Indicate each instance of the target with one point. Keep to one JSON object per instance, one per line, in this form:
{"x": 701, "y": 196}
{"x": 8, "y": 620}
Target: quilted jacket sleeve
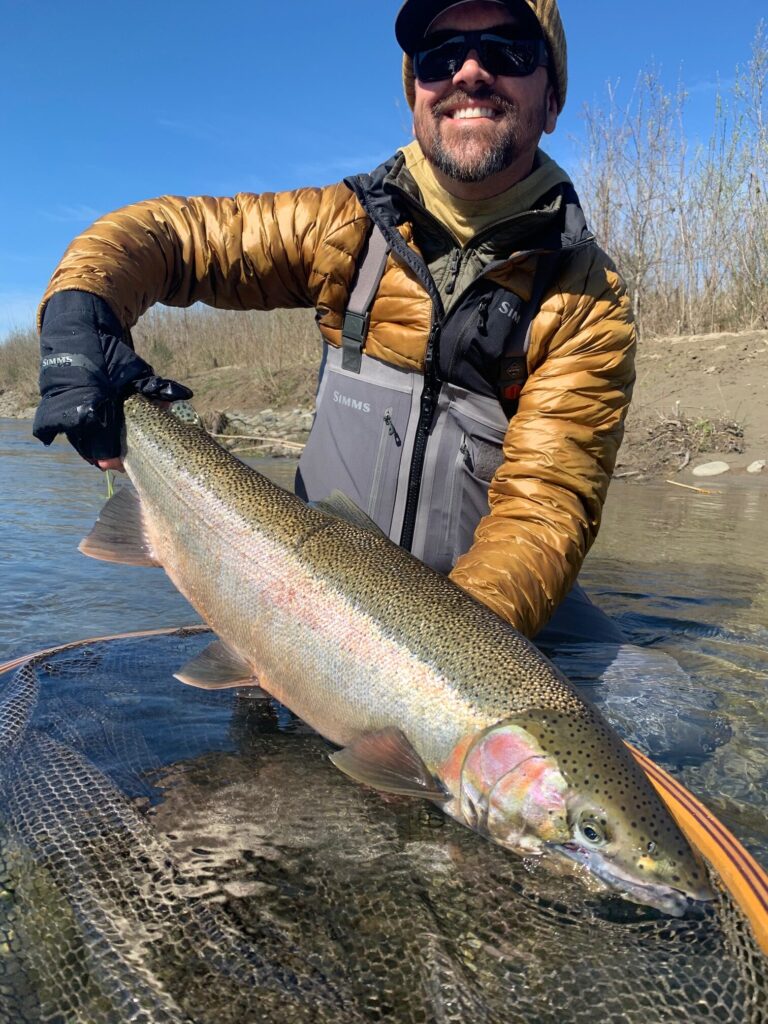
{"x": 560, "y": 449}
{"x": 245, "y": 252}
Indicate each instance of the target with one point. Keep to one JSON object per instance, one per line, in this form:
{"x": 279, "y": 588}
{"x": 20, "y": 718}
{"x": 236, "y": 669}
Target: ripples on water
{"x": 683, "y": 573}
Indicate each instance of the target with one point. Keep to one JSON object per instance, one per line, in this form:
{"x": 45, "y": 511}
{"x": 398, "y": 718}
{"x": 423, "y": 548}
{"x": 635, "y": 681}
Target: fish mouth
{"x": 666, "y": 898}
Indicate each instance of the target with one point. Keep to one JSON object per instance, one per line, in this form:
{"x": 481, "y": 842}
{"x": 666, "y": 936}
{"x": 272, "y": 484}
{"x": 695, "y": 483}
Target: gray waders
{"x": 366, "y": 427}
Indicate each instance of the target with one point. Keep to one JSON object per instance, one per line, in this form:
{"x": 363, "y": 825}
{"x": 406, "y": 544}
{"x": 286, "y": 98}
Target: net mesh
{"x": 168, "y": 854}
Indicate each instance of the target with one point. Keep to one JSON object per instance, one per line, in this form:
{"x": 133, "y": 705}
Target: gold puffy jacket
{"x": 300, "y": 249}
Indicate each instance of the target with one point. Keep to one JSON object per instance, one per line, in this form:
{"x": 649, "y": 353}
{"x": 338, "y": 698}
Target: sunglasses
{"x": 499, "y": 55}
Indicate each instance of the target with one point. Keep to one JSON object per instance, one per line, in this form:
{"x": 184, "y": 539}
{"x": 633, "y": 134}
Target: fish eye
{"x": 592, "y": 831}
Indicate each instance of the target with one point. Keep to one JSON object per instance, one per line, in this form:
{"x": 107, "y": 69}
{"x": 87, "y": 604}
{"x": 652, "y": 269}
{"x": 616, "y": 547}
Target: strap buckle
{"x": 353, "y": 334}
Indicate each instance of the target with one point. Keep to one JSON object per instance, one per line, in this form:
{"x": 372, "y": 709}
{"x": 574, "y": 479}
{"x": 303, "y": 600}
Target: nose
{"x": 472, "y": 74}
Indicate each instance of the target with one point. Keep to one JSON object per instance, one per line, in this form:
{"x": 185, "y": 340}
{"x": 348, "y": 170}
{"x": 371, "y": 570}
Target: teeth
{"x": 466, "y": 112}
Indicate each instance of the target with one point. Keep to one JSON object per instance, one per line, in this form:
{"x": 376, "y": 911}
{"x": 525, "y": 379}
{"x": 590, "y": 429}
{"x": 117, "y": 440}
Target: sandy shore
{"x": 698, "y": 399}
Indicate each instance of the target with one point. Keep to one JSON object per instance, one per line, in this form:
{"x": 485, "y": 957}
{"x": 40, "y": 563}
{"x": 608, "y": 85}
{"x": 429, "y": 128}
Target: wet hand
{"x": 116, "y": 465}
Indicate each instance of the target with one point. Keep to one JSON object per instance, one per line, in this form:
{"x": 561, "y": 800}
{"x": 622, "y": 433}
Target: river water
{"x": 683, "y": 573}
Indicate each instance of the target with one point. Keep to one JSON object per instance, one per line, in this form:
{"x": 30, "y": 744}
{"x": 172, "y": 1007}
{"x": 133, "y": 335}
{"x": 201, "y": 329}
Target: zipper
{"x": 482, "y": 313}
{"x": 426, "y": 414}
{"x": 453, "y": 271}
{"x": 384, "y": 435}
{"x": 460, "y": 460}
{"x": 391, "y": 428}
{"x": 475, "y": 317}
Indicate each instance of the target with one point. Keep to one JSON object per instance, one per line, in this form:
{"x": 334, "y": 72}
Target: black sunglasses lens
{"x": 517, "y": 58}
{"x": 440, "y": 62}
{"x": 514, "y": 57}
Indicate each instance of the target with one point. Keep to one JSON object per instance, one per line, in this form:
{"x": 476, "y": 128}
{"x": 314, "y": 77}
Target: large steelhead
{"x": 426, "y": 690}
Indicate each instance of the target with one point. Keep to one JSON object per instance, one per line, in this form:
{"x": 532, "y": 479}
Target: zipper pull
{"x": 391, "y": 425}
{"x": 453, "y": 270}
{"x": 482, "y": 313}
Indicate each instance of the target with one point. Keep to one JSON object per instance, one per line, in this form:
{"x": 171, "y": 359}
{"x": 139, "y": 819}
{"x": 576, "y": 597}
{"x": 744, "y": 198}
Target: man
{"x": 478, "y": 343}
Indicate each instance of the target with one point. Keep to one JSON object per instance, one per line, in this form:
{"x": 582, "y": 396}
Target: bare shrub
{"x": 687, "y": 225}
{"x": 19, "y": 362}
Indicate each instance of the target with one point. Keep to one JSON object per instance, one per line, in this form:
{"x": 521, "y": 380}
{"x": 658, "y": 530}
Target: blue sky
{"x": 106, "y": 103}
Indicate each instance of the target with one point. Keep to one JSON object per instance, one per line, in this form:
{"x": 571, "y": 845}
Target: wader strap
{"x": 358, "y": 314}
{"x": 513, "y": 365}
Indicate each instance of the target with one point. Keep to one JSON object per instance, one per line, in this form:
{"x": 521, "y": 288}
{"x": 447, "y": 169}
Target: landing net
{"x": 175, "y": 855}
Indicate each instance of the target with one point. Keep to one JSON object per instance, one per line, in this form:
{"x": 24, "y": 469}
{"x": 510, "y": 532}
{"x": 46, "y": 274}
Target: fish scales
{"x": 299, "y": 628}
{"x": 357, "y": 636}
{"x": 400, "y": 597}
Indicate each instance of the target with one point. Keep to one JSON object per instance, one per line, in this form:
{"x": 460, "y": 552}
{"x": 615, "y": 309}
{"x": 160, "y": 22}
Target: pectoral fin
{"x": 338, "y": 505}
{"x": 216, "y": 668}
{"x": 386, "y": 760}
{"x": 120, "y": 534}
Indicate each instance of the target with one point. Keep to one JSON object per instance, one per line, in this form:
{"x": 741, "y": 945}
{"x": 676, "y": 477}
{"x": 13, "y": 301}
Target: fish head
{"x": 547, "y": 783}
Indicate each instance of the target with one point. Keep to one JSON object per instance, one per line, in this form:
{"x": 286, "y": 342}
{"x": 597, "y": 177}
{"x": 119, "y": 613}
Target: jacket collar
{"x": 390, "y": 197}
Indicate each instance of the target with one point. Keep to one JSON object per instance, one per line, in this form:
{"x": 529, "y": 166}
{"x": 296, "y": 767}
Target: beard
{"x": 485, "y": 151}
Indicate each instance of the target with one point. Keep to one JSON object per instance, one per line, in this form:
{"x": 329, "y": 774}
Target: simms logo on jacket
{"x": 50, "y": 361}
{"x": 353, "y": 403}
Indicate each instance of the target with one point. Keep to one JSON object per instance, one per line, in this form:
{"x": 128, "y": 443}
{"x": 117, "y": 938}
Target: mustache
{"x": 484, "y": 93}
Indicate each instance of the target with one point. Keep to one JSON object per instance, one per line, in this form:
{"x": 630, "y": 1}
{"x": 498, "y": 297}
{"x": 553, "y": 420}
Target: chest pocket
{"x": 484, "y": 342}
{"x": 465, "y": 452}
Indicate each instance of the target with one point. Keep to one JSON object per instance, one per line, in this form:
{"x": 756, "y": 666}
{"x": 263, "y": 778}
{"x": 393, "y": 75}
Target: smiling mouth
{"x": 472, "y": 113}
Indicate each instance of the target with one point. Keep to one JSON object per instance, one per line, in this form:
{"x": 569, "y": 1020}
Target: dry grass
{"x": 231, "y": 359}
{"x": 181, "y": 343}
{"x": 19, "y": 361}
{"x": 234, "y": 360}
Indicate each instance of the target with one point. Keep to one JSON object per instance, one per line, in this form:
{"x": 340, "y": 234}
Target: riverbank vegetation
{"x": 686, "y": 221}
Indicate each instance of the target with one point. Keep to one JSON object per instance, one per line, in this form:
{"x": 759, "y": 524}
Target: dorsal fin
{"x": 338, "y": 505}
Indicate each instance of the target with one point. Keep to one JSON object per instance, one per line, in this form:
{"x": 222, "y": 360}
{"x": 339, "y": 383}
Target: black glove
{"x": 86, "y": 371}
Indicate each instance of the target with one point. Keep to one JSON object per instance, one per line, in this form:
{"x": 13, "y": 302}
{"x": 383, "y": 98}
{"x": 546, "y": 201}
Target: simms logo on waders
{"x": 353, "y": 403}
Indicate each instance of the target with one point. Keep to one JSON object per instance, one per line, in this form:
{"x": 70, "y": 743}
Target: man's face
{"x": 507, "y": 115}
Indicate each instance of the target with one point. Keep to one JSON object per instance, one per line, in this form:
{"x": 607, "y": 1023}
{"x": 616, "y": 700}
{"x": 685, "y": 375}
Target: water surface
{"x": 683, "y": 573}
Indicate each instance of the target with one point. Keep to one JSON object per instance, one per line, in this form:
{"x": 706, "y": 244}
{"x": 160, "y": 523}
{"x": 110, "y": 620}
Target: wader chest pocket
{"x": 356, "y": 443}
{"x": 468, "y": 433}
